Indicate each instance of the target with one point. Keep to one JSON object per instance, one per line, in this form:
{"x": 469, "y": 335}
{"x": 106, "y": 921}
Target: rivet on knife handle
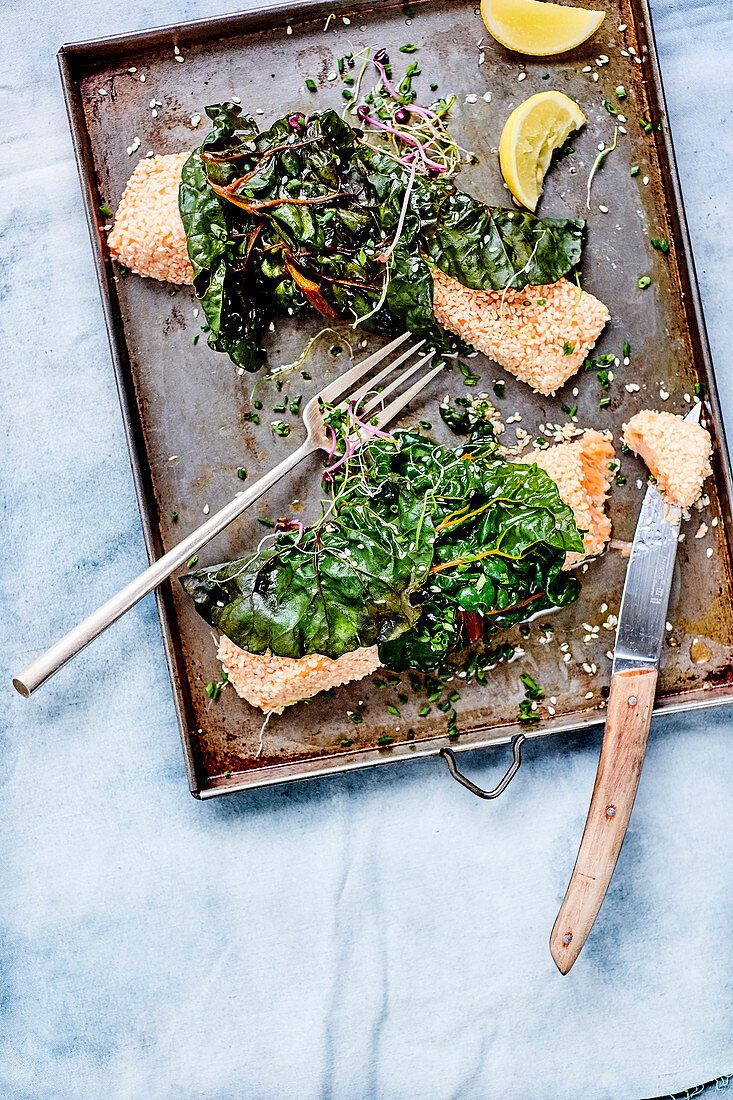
{"x": 630, "y": 705}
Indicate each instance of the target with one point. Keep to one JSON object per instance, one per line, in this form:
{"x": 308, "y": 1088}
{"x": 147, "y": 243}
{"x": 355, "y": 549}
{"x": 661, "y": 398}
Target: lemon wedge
{"x": 538, "y": 29}
{"x": 530, "y": 136}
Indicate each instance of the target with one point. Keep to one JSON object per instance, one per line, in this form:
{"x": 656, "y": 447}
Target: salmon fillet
{"x": 541, "y": 334}
{"x": 581, "y": 471}
{"x": 677, "y": 453}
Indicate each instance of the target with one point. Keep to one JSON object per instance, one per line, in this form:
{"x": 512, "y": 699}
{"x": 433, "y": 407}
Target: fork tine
{"x": 378, "y": 399}
{"x": 372, "y": 382}
{"x": 341, "y": 384}
{"x": 394, "y": 407}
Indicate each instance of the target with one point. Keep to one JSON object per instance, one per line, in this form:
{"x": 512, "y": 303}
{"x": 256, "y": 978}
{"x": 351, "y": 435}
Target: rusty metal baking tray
{"x": 180, "y": 399}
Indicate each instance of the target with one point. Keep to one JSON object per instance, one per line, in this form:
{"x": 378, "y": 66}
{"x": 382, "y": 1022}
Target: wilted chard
{"x": 308, "y": 216}
{"x": 423, "y": 550}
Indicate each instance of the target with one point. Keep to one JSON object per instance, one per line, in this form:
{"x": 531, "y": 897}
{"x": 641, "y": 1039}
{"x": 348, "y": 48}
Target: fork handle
{"x": 90, "y": 628}
{"x": 630, "y": 705}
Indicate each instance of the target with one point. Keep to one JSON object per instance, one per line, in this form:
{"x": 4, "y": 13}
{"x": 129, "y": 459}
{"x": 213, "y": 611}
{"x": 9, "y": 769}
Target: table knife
{"x": 639, "y": 636}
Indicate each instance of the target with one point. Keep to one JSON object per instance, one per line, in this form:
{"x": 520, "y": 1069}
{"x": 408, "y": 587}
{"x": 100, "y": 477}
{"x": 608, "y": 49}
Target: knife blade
{"x": 639, "y": 636}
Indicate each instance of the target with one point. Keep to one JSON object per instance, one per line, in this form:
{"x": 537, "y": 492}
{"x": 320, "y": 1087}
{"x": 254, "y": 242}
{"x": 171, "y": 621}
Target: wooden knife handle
{"x": 630, "y": 705}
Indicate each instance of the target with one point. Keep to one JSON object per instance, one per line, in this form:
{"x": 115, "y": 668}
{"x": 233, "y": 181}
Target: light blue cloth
{"x": 381, "y": 934}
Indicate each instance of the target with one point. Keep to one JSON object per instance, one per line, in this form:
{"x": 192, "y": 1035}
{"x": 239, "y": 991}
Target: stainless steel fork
{"x": 336, "y": 395}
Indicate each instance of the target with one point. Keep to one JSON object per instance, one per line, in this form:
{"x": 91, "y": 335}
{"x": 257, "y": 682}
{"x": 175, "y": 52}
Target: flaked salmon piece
{"x": 273, "y": 683}
{"x": 541, "y": 334}
{"x": 581, "y": 471}
{"x": 147, "y": 235}
{"x": 676, "y": 451}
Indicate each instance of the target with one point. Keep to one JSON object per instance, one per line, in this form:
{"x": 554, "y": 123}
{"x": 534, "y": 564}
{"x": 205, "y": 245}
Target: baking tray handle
{"x": 502, "y": 785}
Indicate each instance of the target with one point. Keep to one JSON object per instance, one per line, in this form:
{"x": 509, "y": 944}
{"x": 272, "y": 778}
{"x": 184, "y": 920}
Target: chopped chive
{"x": 621, "y": 92}
{"x": 392, "y": 709}
{"x": 499, "y": 387}
{"x": 424, "y": 712}
{"x": 606, "y": 360}
{"x": 625, "y": 449}
{"x": 253, "y": 418}
{"x": 542, "y": 301}
{"x": 409, "y": 47}
{"x": 241, "y": 473}
{"x": 347, "y": 94}
{"x": 355, "y": 718}
{"x": 227, "y": 774}
{"x": 533, "y": 690}
{"x": 545, "y": 76}
{"x": 660, "y": 245}
{"x": 570, "y": 410}
{"x": 174, "y": 516}
{"x": 635, "y": 170}
{"x": 604, "y": 402}
{"x": 280, "y": 428}
{"x": 196, "y": 339}
{"x": 698, "y": 389}
{"x": 433, "y": 87}
{"x": 603, "y": 378}
{"x": 386, "y": 740}
{"x": 346, "y": 742}
{"x": 540, "y": 441}
{"x": 644, "y": 282}
{"x": 311, "y": 85}
{"x": 212, "y": 690}
{"x": 192, "y": 561}
{"x": 265, "y": 522}
{"x": 341, "y": 64}
{"x": 104, "y": 209}
{"x": 620, "y": 479}
{"x": 627, "y": 349}
{"x": 568, "y": 348}
{"x": 612, "y": 110}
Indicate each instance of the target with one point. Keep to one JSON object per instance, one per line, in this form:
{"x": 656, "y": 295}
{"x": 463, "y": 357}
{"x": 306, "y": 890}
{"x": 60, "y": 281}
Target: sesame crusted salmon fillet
{"x": 147, "y": 235}
{"x": 273, "y": 683}
{"x": 581, "y": 471}
{"x": 676, "y": 451}
{"x": 540, "y": 334}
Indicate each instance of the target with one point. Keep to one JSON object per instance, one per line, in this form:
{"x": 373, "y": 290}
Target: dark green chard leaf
{"x": 427, "y": 549}
{"x": 346, "y": 583}
{"x": 306, "y": 216}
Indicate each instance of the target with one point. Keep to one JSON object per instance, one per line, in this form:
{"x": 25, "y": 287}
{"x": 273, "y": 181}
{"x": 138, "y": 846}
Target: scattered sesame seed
{"x": 486, "y": 97}
{"x": 331, "y": 76}
{"x": 176, "y": 50}
{"x": 714, "y": 521}
{"x": 603, "y": 209}
{"x": 586, "y": 69}
{"x": 645, "y": 181}
{"x": 102, "y": 91}
{"x": 522, "y": 76}
{"x": 589, "y": 695}
{"x": 622, "y": 27}
{"x": 594, "y": 76}
{"x": 206, "y": 509}
{"x": 194, "y": 120}
{"x": 701, "y": 531}
{"x": 567, "y": 658}
{"x": 709, "y": 552}
{"x": 471, "y": 98}
{"x": 132, "y": 69}
{"x": 142, "y": 78}
{"x": 288, "y": 30}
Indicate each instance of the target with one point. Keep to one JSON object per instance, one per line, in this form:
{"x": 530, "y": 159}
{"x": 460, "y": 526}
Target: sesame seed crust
{"x": 273, "y": 683}
{"x": 147, "y": 235}
{"x": 677, "y": 453}
{"x": 529, "y": 340}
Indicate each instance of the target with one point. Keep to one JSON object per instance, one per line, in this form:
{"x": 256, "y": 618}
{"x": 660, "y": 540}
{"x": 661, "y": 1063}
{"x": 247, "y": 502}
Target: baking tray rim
{"x": 73, "y": 56}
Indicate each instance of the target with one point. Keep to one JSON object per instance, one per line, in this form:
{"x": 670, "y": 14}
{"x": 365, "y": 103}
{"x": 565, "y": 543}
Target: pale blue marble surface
{"x": 383, "y": 934}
